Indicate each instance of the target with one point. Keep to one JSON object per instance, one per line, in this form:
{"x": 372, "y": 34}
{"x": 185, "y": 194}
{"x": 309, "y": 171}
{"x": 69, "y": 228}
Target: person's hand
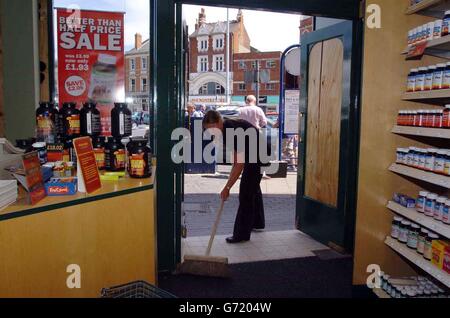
{"x": 225, "y": 194}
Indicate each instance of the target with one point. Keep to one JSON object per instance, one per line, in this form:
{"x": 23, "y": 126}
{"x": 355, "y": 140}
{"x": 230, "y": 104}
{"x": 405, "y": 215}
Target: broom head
{"x": 212, "y": 266}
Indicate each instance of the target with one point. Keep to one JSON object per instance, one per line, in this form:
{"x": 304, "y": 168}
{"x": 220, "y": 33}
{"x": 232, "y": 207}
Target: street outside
{"x": 201, "y": 202}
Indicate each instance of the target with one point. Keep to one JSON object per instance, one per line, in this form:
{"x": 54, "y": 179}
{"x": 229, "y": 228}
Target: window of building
{"x": 144, "y": 105}
{"x": 202, "y": 64}
{"x": 242, "y": 87}
{"x": 270, "y": 86}
{"x": 218, "y": 63}
{"x": 254, "y": 64}
{"x": 270, "y": 64}
{"x": 132, "y": 64}
{"x": 203, "y": 90}
{"x": 219, "y": 43}
{"x": 254, "y": 86}
{"x": 202, "y": 44}
{"x": 144, "y": 85}
{"x": 144, "y": 63}
{"x": 219, "y": 89}
{"x": 242, "y": 65}
{"x": 132, "y": 85}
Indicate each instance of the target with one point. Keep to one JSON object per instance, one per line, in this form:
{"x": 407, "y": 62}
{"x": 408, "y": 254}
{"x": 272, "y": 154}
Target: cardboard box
{"x": 438, "y": 250}
{"x": 446, "y": 265}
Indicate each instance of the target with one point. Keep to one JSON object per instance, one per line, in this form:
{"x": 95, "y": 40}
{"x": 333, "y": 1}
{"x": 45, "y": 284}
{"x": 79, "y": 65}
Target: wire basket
{"x": 138, "y": 289}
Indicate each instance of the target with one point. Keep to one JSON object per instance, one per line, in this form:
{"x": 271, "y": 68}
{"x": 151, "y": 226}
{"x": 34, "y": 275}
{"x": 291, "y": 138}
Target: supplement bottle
{"x": 139, "y": 159}
{"x": 439, "y": 208}
{"x": 437, "y": 33}
{"x": 404, "y": 230}
{"x": 445, "y": 213}
{"x": 446, "y": 24}
{"x": 429, "y": 78}
{"x": 420, "y": 203}
{"x": 90, "y": 120}
{"x": 446, "y": 78}
{"x": 430, "y": 203}
{"x": 446, "y": 117}
{"x": 420, "y": 79}
{"x": 421, "y": 240}
{"x": 98, "y": 144}
{"x": 121, "y": 123}
{"x": 412, "y": 80}
{"x": 428, "y": 250}
{"x": 46, "y": 122}
{"x": 70, "y": 120}
{"x": 413, "y": 236}
{"x": 438, "y": 76}
{"x": 115, "y": 155}
{"x": 439, "y": 164}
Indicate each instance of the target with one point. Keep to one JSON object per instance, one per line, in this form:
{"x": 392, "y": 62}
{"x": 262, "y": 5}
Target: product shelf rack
{"x": 419, "y": 261}
{"x": 421, "y": 131}
{"x": 420, "y": 218}
{"x": 430, "y": 177}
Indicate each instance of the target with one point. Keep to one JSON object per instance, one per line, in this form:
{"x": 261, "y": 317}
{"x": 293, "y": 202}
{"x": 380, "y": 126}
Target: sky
{"x": 268, "y": 31}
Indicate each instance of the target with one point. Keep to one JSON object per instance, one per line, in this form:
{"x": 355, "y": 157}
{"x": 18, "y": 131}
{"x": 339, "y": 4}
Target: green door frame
{"x": 165, "y": 52}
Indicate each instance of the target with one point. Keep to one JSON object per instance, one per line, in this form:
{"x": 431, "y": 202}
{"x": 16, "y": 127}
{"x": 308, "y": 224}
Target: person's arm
{"x": 236, "y": 170}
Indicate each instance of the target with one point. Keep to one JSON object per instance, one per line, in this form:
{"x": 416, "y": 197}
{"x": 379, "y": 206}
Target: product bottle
{"x": 121, "y": 124}
{"x": 420, "y": 79}
{"x": 438, "y": 76}
{"x": 115, "y": 155}
{"x": 90, "y": 120}
{"x": 446, "y": 78}
{"x": 412, "y": 80}
{"x": 46, "y": 122}
{"x": 446, "y": 23}
{"x": 98, "y": 144}
{"x": 446, "y": 117}
{"x": 70, "y": 120}
{"x": 429, "y": 78}
{"x": 139, "y": 159}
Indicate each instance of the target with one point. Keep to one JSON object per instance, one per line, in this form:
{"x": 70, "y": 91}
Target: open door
{"x": 325, "y": 130}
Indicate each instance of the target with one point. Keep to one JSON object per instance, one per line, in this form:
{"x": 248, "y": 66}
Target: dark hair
{"x": 212, "y": 117}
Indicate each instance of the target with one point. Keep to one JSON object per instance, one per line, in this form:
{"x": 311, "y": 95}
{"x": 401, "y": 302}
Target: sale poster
{"x": 91, "y": 59}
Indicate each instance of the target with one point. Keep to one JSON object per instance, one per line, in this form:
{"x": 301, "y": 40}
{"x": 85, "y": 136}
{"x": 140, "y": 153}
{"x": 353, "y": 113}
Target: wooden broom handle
{"x": 214, "y": 229}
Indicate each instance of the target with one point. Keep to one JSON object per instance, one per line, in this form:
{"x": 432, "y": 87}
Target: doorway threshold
{"x": 263, "y": 246}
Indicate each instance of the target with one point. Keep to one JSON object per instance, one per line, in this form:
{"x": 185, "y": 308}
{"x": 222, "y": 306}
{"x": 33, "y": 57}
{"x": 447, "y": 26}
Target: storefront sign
{"x": 88, "y": 175}
{"x": 91, "y": 59}
{"x": 291, "y": 113}
{"x": 207, "y": 99}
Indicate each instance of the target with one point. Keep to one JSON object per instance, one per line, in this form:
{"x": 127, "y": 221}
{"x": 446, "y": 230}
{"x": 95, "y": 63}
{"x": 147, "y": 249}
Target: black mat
{"x": 295, "y": 278}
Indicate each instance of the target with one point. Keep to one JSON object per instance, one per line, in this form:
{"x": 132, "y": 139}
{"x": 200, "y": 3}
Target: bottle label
{"x": 420, "y": 83}
{"x": 138, "y": 165}
{"x": 446, "y": 80}
{"x": 446, "y": 26}
{"x": 44, "y": 126}
{"x": 89, "y": 123}
{"x": 437, "y": 79}
{"x": 429, "y": 207}
{"x": 100, "y": 157}
{"x": 73, "y": 125}
{"x": 122, "y": 124}
{"x": 428, "y": 82}
{"x": 439, "y": 165}
{"x": 119, "y": 159}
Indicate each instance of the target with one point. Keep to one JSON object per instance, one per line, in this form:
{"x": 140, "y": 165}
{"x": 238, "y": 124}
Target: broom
{"x": 207, "y": 265}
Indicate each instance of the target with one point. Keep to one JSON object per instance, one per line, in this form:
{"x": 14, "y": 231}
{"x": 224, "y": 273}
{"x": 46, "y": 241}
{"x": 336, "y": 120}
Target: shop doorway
{"x": 170, "y": 176}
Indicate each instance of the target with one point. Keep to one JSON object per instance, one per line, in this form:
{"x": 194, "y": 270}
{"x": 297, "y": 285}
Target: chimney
{"x": 137, "y": 40}
{"x": 240, "y": 16}
{"x": 202, "y": 17}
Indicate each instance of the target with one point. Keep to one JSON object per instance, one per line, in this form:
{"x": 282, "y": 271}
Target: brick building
{"x": 207, "y": 57}
{"x": 137, "y": 75}
{"x": 269, "y": 66}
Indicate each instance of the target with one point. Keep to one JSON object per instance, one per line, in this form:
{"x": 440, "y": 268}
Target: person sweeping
{"x": 245, "y": 158}
{"x": 246, "y": 162}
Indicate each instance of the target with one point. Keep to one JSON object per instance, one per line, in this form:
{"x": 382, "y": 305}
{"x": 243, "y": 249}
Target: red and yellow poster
{"x": 91, "y": 59}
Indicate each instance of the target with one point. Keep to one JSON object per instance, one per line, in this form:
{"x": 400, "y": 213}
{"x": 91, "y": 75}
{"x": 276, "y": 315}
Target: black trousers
{"x": 250, "y": 214}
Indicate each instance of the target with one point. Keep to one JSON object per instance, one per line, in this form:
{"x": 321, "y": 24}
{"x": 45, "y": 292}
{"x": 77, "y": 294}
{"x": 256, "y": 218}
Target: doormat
{"x": 190, "y": 207}
{"x": 329, "y": 254}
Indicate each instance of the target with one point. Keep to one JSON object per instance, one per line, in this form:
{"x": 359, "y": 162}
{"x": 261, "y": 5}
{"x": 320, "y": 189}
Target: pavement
{"x": 201, "y": 202}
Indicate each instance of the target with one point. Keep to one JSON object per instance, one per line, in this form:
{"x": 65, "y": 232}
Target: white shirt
{"x": 254, "y": 115}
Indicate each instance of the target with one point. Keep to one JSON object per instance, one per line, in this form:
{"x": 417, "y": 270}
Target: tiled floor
{"x": 263, "y": 246}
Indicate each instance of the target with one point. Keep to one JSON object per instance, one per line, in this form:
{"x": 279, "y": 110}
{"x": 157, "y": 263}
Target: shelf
{"x": 380, "y": 293}
{"x": 430, "y": 8}
{"x": 419, "y": 261}
{"x": 421, "y": 131}
{"x": 437, "y": 47}
{"x": 437, "y": 97}
{"x": 429, "y": 177}
{"x": 421, "y": 219}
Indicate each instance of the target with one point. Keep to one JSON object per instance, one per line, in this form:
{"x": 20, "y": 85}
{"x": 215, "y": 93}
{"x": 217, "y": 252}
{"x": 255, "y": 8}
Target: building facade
{"x": 208, "y": 57}
{"x": 269, "y": 69}
{"x": 137, "y": 75}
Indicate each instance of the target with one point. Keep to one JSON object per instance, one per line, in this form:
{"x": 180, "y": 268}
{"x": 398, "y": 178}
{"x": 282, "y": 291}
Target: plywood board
{"x": 324, "y": 122}
{"x": 313, "y": 118}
